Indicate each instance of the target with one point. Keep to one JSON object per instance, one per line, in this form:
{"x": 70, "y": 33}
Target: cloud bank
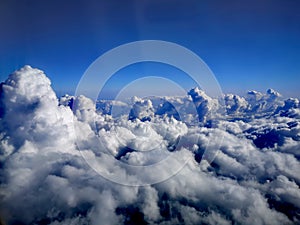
{"x": 253, "y": 177}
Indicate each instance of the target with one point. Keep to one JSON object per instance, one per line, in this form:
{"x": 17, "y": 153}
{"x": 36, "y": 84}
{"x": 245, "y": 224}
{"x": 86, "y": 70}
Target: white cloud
{"x": 253, "y": 179}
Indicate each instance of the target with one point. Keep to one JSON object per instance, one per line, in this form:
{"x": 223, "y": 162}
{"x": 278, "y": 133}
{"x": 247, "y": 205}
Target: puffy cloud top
{"x": 243, "y": 170}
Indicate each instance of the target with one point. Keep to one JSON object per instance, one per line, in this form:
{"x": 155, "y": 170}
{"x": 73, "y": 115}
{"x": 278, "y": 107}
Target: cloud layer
{"x": 240, "y": 157}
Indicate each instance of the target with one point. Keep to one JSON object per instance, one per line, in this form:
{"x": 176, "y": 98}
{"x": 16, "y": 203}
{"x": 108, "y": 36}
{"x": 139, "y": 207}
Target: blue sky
{"x": 247, "y": 44}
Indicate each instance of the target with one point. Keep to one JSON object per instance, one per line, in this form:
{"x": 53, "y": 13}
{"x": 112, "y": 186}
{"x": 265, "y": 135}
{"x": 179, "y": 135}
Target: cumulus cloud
{"x": 243, "y": 170}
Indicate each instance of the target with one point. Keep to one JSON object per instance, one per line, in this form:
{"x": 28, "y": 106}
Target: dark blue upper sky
{"x": 251, "y": 44}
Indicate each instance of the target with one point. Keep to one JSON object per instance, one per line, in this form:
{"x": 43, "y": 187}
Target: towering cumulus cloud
{"x": 253, "y": 178}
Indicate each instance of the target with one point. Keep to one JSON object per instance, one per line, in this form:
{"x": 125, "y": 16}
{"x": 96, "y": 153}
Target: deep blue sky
{"x": 251, "y": 44}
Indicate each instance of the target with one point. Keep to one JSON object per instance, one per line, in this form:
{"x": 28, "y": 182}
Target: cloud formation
{"x": 253, "y": 177}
